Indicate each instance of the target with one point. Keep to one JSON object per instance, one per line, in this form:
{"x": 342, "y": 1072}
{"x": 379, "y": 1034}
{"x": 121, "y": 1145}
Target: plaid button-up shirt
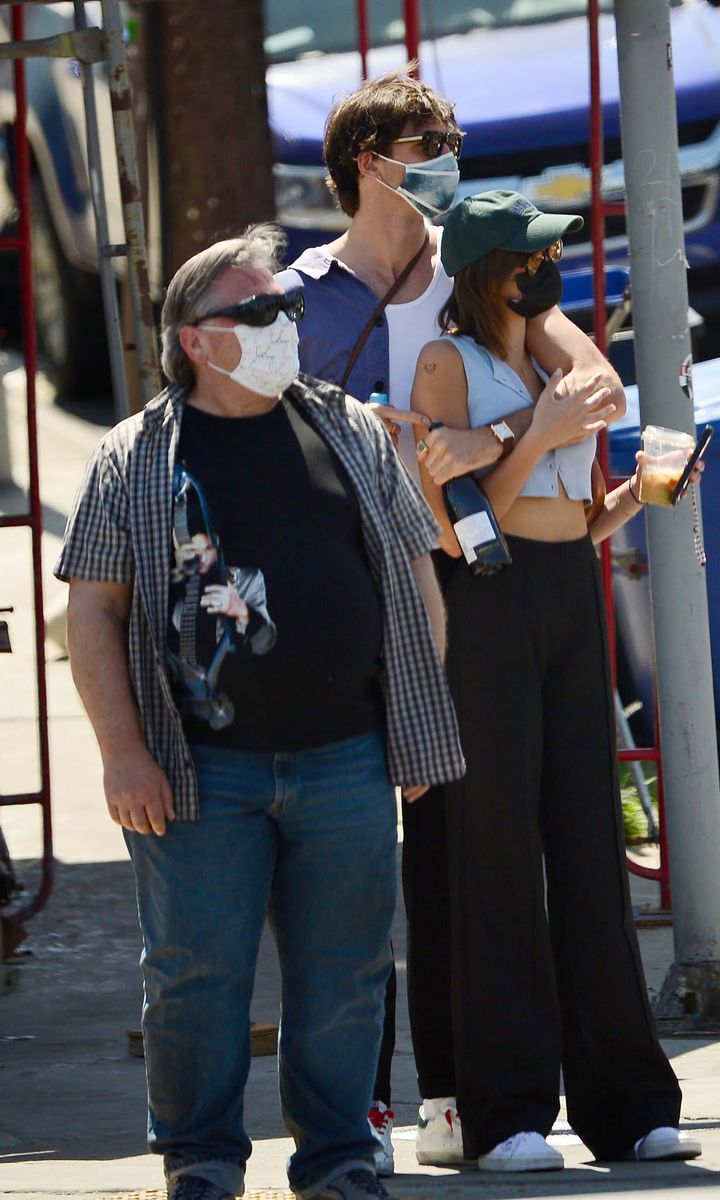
{"x": 120, "y": 531}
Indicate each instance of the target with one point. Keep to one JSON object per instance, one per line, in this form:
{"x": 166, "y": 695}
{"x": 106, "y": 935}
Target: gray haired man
{"x": 256, "y": 633}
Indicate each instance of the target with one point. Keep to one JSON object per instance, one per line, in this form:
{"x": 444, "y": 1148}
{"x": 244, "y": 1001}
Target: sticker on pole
{"x": 686, "y": 379}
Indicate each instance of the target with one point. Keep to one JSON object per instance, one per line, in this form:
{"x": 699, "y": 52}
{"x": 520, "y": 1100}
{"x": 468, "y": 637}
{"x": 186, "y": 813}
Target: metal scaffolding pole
{"x": 146, "y": 348}
{"x": 690, "y": 996}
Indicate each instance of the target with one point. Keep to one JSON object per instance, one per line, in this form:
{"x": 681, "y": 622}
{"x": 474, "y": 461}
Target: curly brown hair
{"x": 370, "y": 119}
{"x": 475, "y": 305}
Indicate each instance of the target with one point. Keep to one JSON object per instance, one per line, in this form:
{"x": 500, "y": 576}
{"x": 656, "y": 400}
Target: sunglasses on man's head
{"x": 536, "y": 260}
{"x": 262, "y": 310}
{"x": 433, "y": 141}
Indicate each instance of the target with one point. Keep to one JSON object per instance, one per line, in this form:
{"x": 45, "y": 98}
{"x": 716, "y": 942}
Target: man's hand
{"x": 564, "y": 416}
{"x": 577, "y": 381}
{"x": 414, "y": 793}
{"x": 137, "y": 792}
{"x": 452, "y": 452}
{"x": 393, "y": 418}
{"x": 554, "y": 341}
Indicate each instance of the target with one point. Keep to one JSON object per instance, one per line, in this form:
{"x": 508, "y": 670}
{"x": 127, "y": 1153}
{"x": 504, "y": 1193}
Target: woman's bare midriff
{"x": 546, "y": 518}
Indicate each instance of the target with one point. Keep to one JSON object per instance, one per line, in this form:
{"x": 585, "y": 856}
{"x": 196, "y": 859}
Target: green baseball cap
{"x": 499, "y": 220}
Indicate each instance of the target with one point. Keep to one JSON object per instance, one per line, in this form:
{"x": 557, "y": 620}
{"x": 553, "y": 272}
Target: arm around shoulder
{"x": 556, "y": 342}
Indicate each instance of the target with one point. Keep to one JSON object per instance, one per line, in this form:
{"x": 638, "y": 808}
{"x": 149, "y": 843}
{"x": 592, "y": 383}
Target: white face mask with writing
{"x": 270, "y": 358}
{"x": 428, "y": 187}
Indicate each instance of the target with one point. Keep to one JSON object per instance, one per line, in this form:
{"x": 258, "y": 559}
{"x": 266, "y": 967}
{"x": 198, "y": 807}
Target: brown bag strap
{"x": 379, "y": 309}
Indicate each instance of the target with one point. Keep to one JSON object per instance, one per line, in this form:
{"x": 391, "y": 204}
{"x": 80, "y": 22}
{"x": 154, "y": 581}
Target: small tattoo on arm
{"x": 430, "y": 367}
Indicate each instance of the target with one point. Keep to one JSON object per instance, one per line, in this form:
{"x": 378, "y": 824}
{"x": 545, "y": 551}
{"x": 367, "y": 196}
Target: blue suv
{"x": 518, "y": 71}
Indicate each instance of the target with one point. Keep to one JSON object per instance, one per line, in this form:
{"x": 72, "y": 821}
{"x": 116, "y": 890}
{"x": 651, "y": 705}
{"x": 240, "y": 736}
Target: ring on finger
{"x": 422, "y": 448}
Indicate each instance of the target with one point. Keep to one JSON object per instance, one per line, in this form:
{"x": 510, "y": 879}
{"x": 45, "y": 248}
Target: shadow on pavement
{"x": 71, "y": 1088}
{"x": 620, "y": 1177}
{"x": 14, "y": 501}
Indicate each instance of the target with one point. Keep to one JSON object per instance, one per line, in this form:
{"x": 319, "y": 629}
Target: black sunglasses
{"x": 433, "y": 141}
{"x": 262, "y": 310}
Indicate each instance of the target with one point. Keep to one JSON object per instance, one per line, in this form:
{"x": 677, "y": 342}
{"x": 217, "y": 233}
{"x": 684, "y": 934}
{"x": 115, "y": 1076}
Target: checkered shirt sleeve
{"x": 97, "y": 543}
{"x": 404, "y": 504}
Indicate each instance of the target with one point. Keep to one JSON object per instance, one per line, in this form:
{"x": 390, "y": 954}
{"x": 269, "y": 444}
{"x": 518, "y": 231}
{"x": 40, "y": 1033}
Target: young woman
{"x": 545, "y": 969}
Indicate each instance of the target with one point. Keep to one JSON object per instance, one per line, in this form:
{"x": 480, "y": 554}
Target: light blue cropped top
{"x": 494, "y": 391}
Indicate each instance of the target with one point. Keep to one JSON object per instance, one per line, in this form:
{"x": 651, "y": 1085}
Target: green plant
{"x": 634, "y": 820}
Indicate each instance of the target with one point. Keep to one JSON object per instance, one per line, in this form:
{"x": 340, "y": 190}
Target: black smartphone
{"x": 684, "y": 481}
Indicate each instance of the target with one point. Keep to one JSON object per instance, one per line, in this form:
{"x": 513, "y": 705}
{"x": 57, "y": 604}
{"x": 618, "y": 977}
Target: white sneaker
{"x": 667, "y": 1143}
{"x": 380, "y": 1120}
{"x": 522, "y": 1152}
{"x": 439, "y": 1137}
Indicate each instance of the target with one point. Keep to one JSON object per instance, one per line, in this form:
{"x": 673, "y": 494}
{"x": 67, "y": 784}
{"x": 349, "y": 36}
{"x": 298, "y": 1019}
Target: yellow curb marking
{"x": 263, "y": 1194}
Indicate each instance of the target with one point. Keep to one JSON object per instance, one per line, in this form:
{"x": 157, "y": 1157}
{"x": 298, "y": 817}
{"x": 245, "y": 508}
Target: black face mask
{"x": 540, "y": 291}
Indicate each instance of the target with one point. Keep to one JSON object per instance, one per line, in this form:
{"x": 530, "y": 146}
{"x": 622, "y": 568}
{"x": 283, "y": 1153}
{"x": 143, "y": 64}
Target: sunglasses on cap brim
{"x": 434, "y": 140}
{"x": 262, "y": 310}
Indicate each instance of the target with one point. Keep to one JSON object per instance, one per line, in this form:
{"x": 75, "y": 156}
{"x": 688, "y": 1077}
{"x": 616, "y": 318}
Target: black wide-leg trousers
{"x": 543, "y": 979}
{"x": 428, "y": 953}
{"x": 428, "y": 949}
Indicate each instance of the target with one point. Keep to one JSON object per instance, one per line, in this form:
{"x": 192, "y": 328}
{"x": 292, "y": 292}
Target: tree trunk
{"x": 207, "y": 70}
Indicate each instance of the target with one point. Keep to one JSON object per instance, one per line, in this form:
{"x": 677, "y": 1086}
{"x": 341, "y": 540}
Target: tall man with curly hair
{"x": 391, "y": 149}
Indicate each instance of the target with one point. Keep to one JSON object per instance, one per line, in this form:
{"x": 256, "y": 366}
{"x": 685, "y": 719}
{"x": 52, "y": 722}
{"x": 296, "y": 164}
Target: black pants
{"x": 428, "y": 954}
{"x": 535, "y": 988}
{"x": 429, "y": 950}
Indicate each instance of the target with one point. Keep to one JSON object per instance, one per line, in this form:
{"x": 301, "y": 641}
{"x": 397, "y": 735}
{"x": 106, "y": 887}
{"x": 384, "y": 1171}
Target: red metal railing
{"x": 33, "y": 518}
{"x": 599, "y": 211}
{"x": 411, "y": 13}
{"x": 411, "y": 16}
{"x": 363, "y": 27}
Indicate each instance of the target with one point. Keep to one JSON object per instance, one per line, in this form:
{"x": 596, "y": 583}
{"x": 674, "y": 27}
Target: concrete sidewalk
{"x": 73, "y": 1104}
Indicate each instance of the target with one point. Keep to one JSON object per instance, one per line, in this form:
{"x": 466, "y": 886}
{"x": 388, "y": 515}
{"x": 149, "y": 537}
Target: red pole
{"x": 597, "y": 216}
{"x": 411, "y": 14}
{"x": 363, "y": 36}
{"x": 30, "y": 355}
{"x": 599, "y": 210}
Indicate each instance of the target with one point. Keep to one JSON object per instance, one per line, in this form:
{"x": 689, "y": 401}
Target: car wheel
{"x": 69, "y": 313}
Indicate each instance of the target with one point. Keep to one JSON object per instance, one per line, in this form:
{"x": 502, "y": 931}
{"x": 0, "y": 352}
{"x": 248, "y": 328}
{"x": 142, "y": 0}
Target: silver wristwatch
{"x": 504, "y": 435}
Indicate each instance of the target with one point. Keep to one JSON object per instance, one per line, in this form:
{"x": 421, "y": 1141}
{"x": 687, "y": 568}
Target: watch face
{"x": 502, "y": 430}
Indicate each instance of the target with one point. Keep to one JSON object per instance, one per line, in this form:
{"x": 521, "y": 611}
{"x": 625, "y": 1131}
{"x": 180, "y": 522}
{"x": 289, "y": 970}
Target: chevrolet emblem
{"x": 571, "y": 185}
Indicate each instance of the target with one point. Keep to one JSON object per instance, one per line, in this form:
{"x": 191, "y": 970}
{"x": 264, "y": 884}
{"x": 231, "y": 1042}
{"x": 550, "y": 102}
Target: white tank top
{"x": 410, "y": 326}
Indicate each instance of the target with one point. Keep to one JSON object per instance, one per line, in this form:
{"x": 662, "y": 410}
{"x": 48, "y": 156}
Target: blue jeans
{"x": 311, "y": 837}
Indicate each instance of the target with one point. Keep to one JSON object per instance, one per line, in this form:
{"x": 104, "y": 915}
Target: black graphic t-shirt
{"x": 275, "y": 623}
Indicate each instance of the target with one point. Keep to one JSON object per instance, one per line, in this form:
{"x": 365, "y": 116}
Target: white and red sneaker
{"x": 380, "y": 1119}
{"x": 439, "y": 1133}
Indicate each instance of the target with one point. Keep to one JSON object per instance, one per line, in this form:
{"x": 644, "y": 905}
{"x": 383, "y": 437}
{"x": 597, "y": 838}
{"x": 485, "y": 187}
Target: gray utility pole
{"x": 690, "y": 997}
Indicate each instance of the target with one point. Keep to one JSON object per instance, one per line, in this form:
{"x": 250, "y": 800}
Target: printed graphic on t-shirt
{"x": 215, "y": 609}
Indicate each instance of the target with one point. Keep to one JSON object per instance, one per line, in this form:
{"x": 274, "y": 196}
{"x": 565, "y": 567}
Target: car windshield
{"x": 315, "y": 27}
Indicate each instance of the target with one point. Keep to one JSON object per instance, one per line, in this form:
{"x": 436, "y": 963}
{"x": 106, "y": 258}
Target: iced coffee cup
{"x": 668, "y": 451}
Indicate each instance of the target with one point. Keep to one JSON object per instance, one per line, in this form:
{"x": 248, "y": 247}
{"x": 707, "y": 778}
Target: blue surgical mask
{"x": 428, "y": 187}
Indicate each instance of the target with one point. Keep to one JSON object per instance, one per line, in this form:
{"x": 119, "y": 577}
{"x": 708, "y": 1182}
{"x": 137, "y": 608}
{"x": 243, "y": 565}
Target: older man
{"x": 251, "y": 622}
